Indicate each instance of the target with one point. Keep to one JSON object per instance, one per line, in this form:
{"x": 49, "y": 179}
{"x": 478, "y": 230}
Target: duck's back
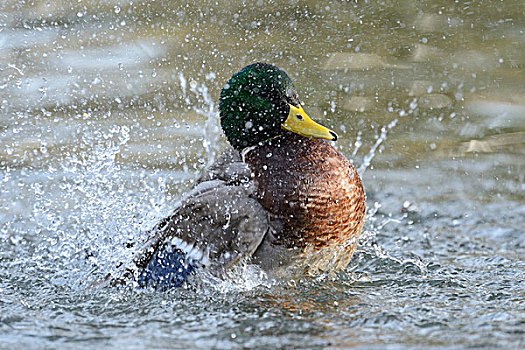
{"x": 314, "y": 196}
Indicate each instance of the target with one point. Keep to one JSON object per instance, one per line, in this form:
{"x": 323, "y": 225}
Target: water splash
{"x": 240, "y": 278}
{"x": 371, "y": 154}
{"x": 212, "y": 130}
{"x": 104, "y": 209}
{"x": 109, "y": 207}
{"x": 369, "y": 245}
{"x": 183, "y": 84}
{"x": 357, "y": 144}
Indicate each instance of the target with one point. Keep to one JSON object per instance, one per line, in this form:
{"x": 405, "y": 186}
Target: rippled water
{"x": 107, "y": 114}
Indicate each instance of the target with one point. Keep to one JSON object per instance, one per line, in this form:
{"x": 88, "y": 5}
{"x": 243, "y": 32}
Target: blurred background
{"x": 108, "y": 113}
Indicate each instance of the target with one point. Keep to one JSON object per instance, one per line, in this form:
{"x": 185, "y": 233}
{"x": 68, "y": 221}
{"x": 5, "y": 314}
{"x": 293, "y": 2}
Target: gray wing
{"x": 218, "y": 223}
{"x": 229, "y": 168}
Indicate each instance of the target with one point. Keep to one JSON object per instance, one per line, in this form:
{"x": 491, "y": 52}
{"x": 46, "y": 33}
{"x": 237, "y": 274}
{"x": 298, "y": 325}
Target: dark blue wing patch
{"x": 170, "y": 267}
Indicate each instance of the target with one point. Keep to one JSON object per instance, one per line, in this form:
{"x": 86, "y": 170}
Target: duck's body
{"x": 290, "y": 204}
{"x": 314, "y": 198}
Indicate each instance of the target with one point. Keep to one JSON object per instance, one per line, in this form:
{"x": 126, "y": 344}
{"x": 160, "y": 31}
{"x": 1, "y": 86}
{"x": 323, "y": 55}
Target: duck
{"x": 281, "y": 197}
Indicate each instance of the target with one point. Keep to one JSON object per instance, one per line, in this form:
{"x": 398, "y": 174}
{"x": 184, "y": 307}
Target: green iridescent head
{"x": 260, "y": 102}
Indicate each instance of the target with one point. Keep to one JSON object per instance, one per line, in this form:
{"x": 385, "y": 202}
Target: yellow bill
{"x": 300, "y": 123}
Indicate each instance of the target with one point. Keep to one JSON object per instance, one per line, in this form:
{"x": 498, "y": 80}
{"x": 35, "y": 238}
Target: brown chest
{"x": 310, "y": 189}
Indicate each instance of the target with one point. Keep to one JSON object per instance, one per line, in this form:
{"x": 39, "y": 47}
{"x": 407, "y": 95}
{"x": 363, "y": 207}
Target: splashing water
{"x": 109, "y": 205}
{"x": 105, "y": 210}
{"x": 240, "y": 278}
{"x": 357, "y": 144}
{"x": 367, "y": 242}
{"x": 211, "y": 128}
{"x": 371, "y": 154}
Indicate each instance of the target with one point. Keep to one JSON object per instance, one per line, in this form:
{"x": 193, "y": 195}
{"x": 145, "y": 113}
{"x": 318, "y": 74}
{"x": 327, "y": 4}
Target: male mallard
{"x": 281, "y": 198}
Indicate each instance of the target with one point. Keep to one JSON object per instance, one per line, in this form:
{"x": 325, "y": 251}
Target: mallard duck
{"x": 281, "y": 197}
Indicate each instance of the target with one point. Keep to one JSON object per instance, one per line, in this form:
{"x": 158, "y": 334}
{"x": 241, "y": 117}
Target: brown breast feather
{"x": 312, "y": 189}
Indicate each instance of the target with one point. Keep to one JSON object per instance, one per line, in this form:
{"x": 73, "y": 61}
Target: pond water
{"x": 108, "y": 113}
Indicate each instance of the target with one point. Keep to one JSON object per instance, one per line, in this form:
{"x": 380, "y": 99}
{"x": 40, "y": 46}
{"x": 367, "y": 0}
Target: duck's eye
{"x": 299, "y": 117}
